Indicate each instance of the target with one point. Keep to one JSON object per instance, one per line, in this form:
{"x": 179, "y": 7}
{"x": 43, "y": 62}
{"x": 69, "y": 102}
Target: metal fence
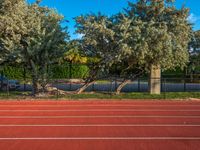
{"x": 139, "y": 85}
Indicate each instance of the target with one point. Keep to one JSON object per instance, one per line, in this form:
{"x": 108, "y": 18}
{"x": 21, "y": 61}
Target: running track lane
{"x": 99, "y": 125}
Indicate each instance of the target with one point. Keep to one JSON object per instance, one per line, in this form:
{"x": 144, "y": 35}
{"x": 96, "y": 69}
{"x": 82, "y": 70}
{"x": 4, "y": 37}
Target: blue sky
{"x": 73, "y": 8}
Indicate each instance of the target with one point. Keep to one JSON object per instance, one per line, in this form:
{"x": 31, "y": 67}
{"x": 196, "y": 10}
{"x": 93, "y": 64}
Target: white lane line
{"x": 102, "y": 125}
{"x": 101, "y": 138}
{"x": 108, "y": 110}
{"x": 97, "y": 116}
{"x": 104, "y": 105}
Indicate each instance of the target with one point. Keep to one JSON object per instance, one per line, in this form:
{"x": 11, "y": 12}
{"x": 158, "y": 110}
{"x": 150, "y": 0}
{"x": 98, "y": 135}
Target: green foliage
{"x": 57, "y": 72}
{"x": 96, "y": 42}
{"x": 31, "y": 35}
{"x": 74, "y": 53}
{"x": 195, "y": 42}
{"x": 159, "y": 33}
{"x": 174, "y": 73}
{"x": 15, "y": 72}
{"x": 103, "y": 42}
{"x": 80, "y": 71}
{"x": 62, "y": 71}
{"x": 152, "y": 32}
{"x": 194, "y": 48}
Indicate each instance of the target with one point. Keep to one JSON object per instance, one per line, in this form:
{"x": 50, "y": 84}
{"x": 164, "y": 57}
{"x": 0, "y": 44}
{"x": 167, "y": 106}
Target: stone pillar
{"x": 155, "y": 80}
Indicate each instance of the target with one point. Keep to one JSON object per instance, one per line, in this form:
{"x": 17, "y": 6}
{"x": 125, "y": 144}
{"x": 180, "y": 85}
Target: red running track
{"x": 99, "y": 125}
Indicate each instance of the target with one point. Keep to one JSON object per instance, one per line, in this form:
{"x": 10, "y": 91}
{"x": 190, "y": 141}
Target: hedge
{"x": 63, "y": 71}
{"x": 57, "y": 71}
{"x": 15, "y": 72}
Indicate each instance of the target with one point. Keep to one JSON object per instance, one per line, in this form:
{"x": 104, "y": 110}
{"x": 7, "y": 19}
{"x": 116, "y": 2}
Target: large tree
{"x": 194, "y": 49}
{"x": 126, "y": 58}
{"x": 104, "y": 43}
{"x": 98, "y": 36}
{"x": 159, "y": 37}
{"x": 33, "y": 35}
{"x": 194, "y": 45}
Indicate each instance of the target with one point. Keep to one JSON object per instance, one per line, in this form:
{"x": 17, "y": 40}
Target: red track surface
{"x": 99, "y": 125}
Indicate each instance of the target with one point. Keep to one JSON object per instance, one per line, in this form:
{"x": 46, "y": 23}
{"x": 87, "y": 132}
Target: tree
{"x": 128, "y": 67}
{"x": 195, "y": 42}
{"x": 8, "y": 19}
{"x": 33, "y": 35}
{"x": 103, "y": 43}
{"x": 97, "y": 45}
{"x": 159, "y": 37}
{"x": 194, "y": 49}
{"x": 194, "y": 45}
{"x": 74, "y": 55}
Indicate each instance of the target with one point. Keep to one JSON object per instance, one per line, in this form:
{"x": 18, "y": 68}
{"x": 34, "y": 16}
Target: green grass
{"x": 170, "y": 95}
{"x": 103, "y": 82}
{"x": 12, "y": 95}
{"x": 179, "y": 95}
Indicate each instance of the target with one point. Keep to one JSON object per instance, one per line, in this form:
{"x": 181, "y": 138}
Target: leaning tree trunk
{"x": 89, "y": 81}
{"x": 84, "y": 87}
{"x": 155, "y": 80}
{"x": 119, "y": 88}
{"x": 129, "y": 80}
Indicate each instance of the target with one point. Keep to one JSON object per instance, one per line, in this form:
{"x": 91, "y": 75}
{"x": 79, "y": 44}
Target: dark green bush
{"x": 57, "y": 71}
{"x": 63, "y": 71}
{"x": 15, "y": 72}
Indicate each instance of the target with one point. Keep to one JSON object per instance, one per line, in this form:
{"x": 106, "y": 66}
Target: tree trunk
{"x": 35, "y": 80}
{"x": 132, "y": 77}
{"x": 154, "y": 81}
{"x": 119, "y": 88}
{"x": 35, "y": 85}
{"x": 44, "y": 77}
{"x": 89, "y": 81}
{"x": 70, "y": 69}
{"x": 84, "y": 87}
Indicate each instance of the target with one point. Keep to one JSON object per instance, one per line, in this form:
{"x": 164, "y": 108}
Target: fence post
{"x": 24, "y": 78}
{"x": 111, "y": 87}
{"x": 165, "y": 81}
{"x": 115, "y": 83}
{"x": 161, "y": 82}
{"x": 93, "y": 86}
{"x": 7, "y": 88}
{"x": 139, "y": 85}
{"x": 57, "y": 93}
{"x": 70, "y": 85}
{"x": 184, "y": 85}
{"x": 1, "y": 76}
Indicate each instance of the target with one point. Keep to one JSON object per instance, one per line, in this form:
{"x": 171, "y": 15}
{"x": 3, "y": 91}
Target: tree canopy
{"x": 194, "y": 49}
{"x": 32, "y": 35}
{"x": 159, "y": 33}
